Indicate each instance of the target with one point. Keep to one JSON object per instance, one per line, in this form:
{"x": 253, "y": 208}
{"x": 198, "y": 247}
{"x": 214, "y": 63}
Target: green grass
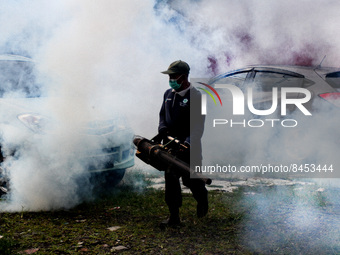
{"x": 248, "y": 221}
{"x": 85, "y": 228}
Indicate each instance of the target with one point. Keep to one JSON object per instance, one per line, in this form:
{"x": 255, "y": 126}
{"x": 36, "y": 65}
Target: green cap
{"x": 178, "y": 66}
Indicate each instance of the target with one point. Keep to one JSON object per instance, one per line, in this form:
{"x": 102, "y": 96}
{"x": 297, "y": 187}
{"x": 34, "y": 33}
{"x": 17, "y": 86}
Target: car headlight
{"x": 35, "y": 122}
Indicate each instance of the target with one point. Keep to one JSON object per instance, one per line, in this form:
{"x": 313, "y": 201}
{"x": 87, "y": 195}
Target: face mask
{"x": 174, "y": 84}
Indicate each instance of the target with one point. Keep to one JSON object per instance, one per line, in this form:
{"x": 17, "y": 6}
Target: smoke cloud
{"x": 105, "y": 58}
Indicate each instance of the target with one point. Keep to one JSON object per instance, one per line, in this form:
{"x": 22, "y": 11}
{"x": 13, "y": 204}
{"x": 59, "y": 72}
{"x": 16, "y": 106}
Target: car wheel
{"x": 3, "y": 184}
{"x": 3, "y": 179}
{"x": 114, "y": 177}
{"x": 106, "y": 181}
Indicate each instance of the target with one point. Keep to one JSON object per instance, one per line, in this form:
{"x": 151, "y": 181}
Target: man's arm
{"x": 163, "y": 130}
{"x": 196, "y": 118}
{"x": 196, "y": 128}
{"x": 162, "y": 126}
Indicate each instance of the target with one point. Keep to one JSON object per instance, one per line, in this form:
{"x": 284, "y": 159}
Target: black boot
{"x": 173, "y": 220}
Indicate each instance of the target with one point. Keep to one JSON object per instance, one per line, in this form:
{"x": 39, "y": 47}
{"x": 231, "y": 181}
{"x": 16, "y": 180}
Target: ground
{"x": 253, "y": 219}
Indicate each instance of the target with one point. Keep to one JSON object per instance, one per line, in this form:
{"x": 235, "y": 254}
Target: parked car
{"x": 322, "y": 82}
{"x": 21, "y": 113}
{"x": 249, "y": 138}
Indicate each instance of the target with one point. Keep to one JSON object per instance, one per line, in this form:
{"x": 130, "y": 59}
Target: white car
{"x": 107, "y": 149}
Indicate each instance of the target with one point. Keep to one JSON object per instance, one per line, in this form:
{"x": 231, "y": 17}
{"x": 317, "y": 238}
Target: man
{"x": 174, "y": 120}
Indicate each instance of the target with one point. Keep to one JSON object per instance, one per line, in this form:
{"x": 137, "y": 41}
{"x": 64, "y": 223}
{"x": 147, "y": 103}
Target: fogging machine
{"x": 166, "y": 157}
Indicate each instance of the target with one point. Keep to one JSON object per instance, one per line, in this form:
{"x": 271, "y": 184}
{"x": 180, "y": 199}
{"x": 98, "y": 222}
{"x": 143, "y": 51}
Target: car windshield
{"x": 333, "y": 79}
{"x": 17, "y": 79}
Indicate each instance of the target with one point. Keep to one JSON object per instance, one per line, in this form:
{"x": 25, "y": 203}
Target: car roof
{"x": 303, "y": 70}
{"x": 298, "y": 71}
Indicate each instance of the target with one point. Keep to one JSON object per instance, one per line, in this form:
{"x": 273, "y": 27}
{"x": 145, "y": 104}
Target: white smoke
{"x": 107, "y": 57}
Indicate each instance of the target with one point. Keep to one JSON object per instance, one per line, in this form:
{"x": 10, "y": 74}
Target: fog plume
{"x": 96, "y": 60}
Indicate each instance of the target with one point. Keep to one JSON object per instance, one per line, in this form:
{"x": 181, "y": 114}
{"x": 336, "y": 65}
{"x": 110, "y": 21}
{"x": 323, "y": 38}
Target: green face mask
{"x": 174, "y": 84}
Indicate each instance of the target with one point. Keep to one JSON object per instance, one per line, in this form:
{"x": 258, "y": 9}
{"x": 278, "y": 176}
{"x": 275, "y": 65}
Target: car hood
{"x": 92, "y": 120}
{"x": 20, "y": 105}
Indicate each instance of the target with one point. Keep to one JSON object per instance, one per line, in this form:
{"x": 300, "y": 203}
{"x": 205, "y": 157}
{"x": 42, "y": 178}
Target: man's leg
{"x": 200, "y": 194}
{"x": 173, "y": 196}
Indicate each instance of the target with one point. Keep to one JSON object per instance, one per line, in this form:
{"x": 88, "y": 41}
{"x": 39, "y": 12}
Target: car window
{"x": 265, "y": 81}
{"x": 17, "y": 79}
{"x": 236, "y": 79}
{"x": 333, "y": 79}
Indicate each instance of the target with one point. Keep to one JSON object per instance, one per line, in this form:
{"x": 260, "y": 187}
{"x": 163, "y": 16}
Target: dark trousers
{"x": 173, "y": 193}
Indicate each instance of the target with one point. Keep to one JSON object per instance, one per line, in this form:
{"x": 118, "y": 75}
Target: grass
{"x": 235, "y": 225}
{"x": 85, "y": 227}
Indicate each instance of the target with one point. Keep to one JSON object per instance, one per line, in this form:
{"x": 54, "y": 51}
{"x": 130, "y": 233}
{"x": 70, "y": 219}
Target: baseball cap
{"x": 178, "y": 66}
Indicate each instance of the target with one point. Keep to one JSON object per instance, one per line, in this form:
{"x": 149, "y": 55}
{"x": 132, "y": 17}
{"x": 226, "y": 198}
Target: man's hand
{"x": 162, "y": 134}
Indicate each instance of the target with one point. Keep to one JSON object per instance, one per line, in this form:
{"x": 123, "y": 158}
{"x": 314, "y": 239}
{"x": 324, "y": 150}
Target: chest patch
{"x": 184, "y": 102}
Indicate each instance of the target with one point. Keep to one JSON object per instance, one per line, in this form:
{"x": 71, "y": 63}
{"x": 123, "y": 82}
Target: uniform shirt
{"x": 175, "y": 115}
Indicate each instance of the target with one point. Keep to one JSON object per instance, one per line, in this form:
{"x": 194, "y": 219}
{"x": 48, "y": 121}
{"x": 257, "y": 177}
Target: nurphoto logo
{"x": 240, "y": 99}
{"x": 204, "y": 97}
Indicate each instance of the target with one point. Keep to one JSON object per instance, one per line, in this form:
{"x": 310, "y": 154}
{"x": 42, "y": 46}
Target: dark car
{"x": 283, "y": 115}
{"x": 322, "y": 83}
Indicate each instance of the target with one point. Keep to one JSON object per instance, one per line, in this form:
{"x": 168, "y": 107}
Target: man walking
{"x": 174, "y": 120}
